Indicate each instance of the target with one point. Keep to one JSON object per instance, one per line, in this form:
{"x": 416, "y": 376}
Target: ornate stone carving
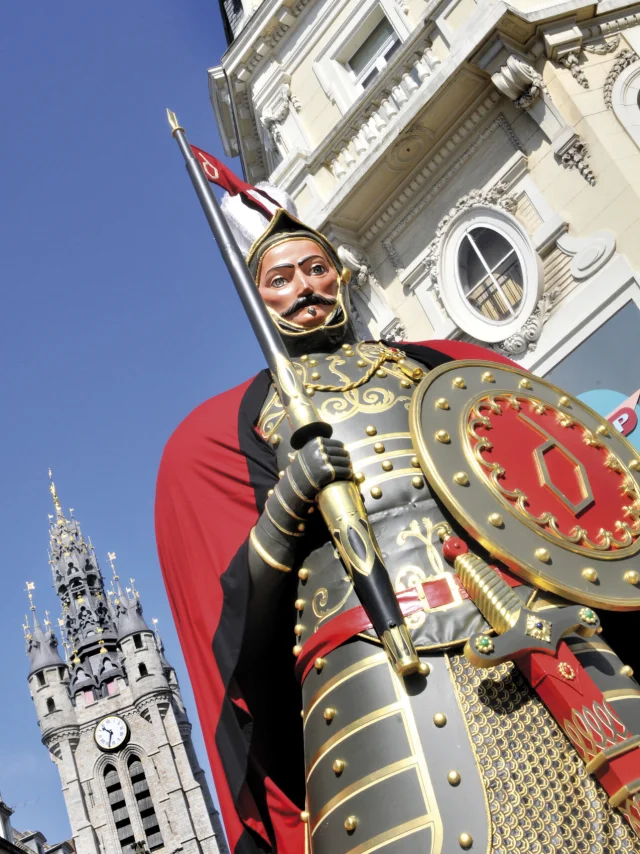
{"x": 272, "y": 117}
{"x": 604, "y": 47}
{"x": 519, "y": 82}
{"x": 575, "y": 156}
{"x": 623, "y": 60}
{"x": 527, "y": 337}
{"x": 367, "y": 296}
{"x": 571, "y": 62}
{"x": 395, "y": 331}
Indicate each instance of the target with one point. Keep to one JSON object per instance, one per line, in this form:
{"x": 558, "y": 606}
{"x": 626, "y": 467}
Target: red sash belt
{"x": 433, "y": 594}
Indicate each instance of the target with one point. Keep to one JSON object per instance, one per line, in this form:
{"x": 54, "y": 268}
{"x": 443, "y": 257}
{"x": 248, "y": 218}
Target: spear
{"x": 340, "y": 503}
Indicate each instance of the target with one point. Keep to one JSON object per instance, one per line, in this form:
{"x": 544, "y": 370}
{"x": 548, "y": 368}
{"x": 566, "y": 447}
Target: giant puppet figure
{"x": 503, "y": 510}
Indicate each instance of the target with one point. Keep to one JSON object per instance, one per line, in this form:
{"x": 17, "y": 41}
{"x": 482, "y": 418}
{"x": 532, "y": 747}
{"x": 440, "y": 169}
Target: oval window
{"x": 490, "y": 273}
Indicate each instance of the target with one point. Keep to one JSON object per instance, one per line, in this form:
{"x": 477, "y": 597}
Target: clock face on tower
{"x": 111, "y": 733}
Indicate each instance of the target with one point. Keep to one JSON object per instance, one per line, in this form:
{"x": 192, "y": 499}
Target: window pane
{"x": 490, "y": 274}
{"x": 372, "y": 46}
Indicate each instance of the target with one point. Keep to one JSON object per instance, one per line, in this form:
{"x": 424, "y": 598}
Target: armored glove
{"x": 282, "y": 524}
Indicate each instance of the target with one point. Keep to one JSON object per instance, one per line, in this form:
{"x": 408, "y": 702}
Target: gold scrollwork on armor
{"x": 372, "y": 401}
{"x": 320, "y": 602}
{"x": 271, "y": 416}
{"x": 577, "y": 539}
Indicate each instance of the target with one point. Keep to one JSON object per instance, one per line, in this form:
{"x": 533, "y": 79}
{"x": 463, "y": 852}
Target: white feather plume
{"x": 246, "y": 223}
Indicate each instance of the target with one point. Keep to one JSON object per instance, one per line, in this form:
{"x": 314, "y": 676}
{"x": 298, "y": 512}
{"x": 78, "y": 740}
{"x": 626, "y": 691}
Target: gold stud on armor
{"x": 298, "y": 629}
{"x": 338, "y": 766}
{"x": 378, "y": 448}
{"x": 415, "y": 462}
{"x": 461, "y": 477}
{"x": 359, "y": 477}
{"x": 319, "y": 664}
{"x": 459, "y": 382}
{"x": 350, "y": 823}
{"x": 424, "y": 669}
{"x": 315, "y": 375}
{"x": 299, "y": 604}
{"x": 440, "y": 719}
{"x": 442, "y": 403}
{"x": 304, "y": 358}
{"x": 443, "y": 436}
{"x": 376, "y": 492}
{"x": 275, "y": 440}
{"x": 370, "y": 430}
{"x": 304, "y": 815}
{"x": 488, "y": 377}
{"x": 543, "y": 555}
{"x": 313, "y": 363}
{"x": 524, "y": 383}
{"x": 329, "y": 713}
{"x": 635, "y": 465}
{"x": 589, "y": 574}
{"x": 297, "y": 650}
{"x": 387, "y": 465}
{"x": 496, "y": 520}
{"x": 405, "y": 384}
{"x": 361, "y": 363}
{"x": 381, "y": 373}
{"x": 465, "y": 840}
{"x": 301, "y": 526}
{"x": 417, "y": 482}
{"x": 564, "y": 400}
{"x": 453, "y": 778}
{"x": 625, "y": 670}
{"x": 303, "y": 573}
{"x": 346, "y": 346}
{"x": 631, "y": 576}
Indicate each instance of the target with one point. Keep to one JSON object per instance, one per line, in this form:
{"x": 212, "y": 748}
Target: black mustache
{"x": 306, "y": 300}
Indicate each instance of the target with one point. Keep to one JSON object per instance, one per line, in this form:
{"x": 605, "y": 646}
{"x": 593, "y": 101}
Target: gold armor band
{"x": 279, "y": 527}
{"x": 624, "y": 793}
{"x": 285, "y": 506}
{"x": 307, "y": 473}
{"x": 611, "y": 752}
{"x": 296, "y": 488}
{"x": 264, "y": 555}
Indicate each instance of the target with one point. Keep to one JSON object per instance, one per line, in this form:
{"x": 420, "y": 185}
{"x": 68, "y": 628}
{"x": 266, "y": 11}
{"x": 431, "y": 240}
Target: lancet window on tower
{"x": 119, "y": 808}
{"x": 145, "y": 804}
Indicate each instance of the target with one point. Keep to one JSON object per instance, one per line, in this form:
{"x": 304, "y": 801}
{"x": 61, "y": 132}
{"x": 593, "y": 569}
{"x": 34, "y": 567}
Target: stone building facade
{"x": 112, "y": 717}
{"x": 477, "y": 162}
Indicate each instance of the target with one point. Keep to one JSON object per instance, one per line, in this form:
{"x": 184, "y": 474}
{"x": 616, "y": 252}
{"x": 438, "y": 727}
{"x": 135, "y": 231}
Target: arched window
{"x": 137, "y": 641}
{"x": 145, "y": 804}
{"x": 625, "y": 94}
{"x": 118, "y": 808}
{"x": 41, "y": 678}
{"x": 142, "y": 669}
{"x": 51, "y": 706}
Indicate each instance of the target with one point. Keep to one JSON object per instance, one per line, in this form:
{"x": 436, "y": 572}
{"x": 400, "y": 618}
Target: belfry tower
{"x": 111, "y": 713}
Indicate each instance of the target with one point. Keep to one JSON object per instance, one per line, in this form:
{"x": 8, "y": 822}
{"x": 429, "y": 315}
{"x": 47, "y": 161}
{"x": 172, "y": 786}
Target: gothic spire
{"x": 87, "y": 620}
{"x": 126, "y": 605}
{"x": 42, "y": 644}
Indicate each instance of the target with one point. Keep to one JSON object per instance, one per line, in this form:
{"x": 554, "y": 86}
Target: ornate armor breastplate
{"x": 369, "y": 409}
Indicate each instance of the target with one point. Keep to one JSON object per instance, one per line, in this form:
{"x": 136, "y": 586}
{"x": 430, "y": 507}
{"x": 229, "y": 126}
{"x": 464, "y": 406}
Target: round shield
{"x": 540, "y": 480}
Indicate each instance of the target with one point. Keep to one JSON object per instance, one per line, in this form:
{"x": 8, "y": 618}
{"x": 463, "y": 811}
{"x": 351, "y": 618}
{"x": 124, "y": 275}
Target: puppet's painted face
{"x": 298, "y": 281}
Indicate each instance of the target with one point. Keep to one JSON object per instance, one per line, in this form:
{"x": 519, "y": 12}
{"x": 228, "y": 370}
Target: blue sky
{"x": 117, "y": 315}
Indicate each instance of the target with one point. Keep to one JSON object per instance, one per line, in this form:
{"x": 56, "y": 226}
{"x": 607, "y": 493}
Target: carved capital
{"x": 518, "y": 81}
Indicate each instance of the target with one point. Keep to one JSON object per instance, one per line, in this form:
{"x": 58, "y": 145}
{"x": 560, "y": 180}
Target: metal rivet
{"x": 424, "y": 669}
{"x": 301, "y": 526}
{"x": 442, "y": 403}
{"x": 303, "y": 573}
{"x": 329, "y": 713}
{"x": 543, "y": 555}
{"x": 346, "y": 346}
{"x": 338, "y": 766}
{"x": 313, "y": 363}
{"x": 298, "y": 629}
{"x": 281, "y": 474}
{"x": 349, "y": 353}
{"x": 465, "y": 840}
{"x": 453, "y": 778}
{"x": 376, "y": 492}
{"x": 524, "y": 383}
{"x": 304, "y": 816}
{"x": 271, "y": 491}
{"x": 459, "y": 382}
{"x": 387, "y": 465}
{"x": 635, "y": 465}
{"x": 443, "y": 436}
{"x": 361, "y": 363}
{"x": 440, "y": 719}
{"x": 319, "y": 664}
{"x": 299, "y": 604}
{"x": 496, "y": 520}
{"x": 315, "y": 375}
{"x": 311, "y": 510}
{"x": 488, "y": 377}
{"x": 589, "y": 574}
{"x": 358, "y": 477}
{"x": 415, "y": 462}
{"x": 381, "y": 373}
{"x": 564, "y": 401}
{"x": 275, "y": 440}
{"x": 350, "y": 823}
{"x": 602, "y": 430}
{"x": 378, "y": 447}
{"x": 310, "y": 391}
{"x": 304, "y": 358}
{"x": 297, "y": 650}
{"x": 625, "y": 670}
{"x": 292, "y": 456}
{"x": 631, "y": 576}
{"x": 417, "y": 481}
{"x": 370, "y": 430}
{"x": 461, "y": 477}
{"x": 405, "y": 383}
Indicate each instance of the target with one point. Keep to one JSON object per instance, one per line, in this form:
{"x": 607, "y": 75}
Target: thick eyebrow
{"x": 279, "y": 266}
{"x": 307, "y": 257}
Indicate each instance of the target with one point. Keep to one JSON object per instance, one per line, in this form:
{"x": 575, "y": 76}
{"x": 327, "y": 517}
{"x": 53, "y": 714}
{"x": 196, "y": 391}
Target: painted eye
{"x": 318, "y": 269}
{"x": 278, "y": 282}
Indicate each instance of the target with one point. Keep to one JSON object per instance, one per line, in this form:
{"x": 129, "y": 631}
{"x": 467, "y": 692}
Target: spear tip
{"x": 173, "y": 122}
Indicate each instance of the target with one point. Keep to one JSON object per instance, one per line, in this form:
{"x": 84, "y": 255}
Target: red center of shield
{"x": 554, "y": 471}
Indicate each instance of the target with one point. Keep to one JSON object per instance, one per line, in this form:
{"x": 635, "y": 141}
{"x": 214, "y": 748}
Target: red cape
{"x": 212, "y": 484}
